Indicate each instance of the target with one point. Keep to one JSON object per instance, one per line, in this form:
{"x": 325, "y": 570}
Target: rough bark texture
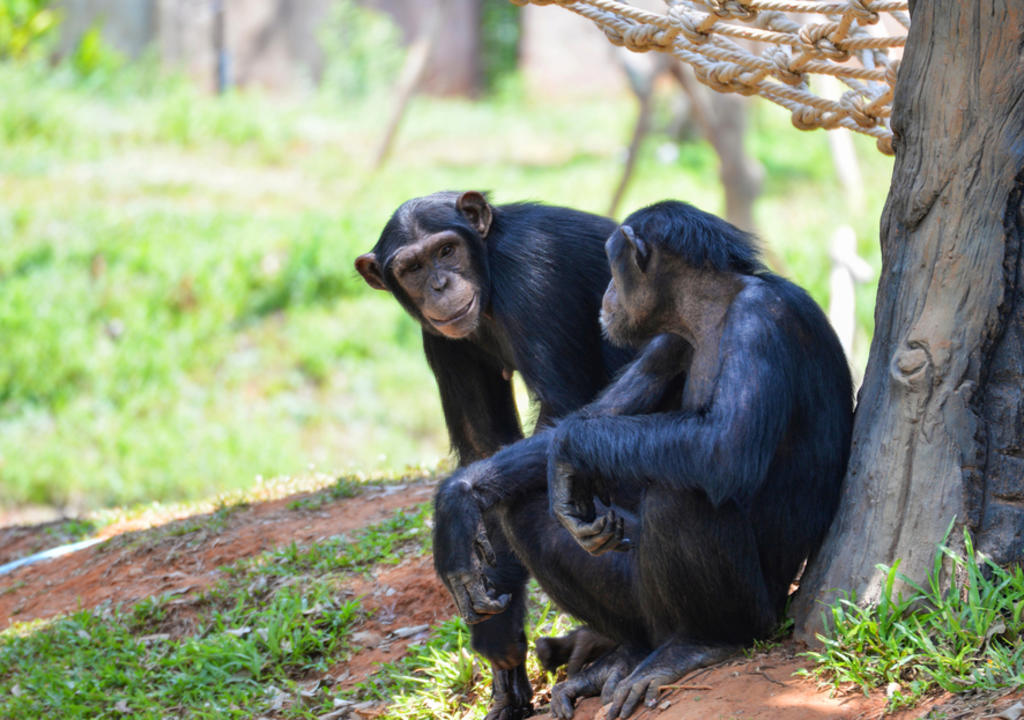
{"x": 939, "y": 431}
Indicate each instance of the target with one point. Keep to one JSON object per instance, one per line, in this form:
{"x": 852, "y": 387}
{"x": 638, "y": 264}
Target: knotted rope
{"x": 771, "y": 48}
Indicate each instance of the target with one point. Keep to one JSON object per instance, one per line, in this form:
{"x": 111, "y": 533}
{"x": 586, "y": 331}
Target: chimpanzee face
{"x": 436, "y": 274}
{"x": 432, "y": 271}
{"x": 627, "y": 311}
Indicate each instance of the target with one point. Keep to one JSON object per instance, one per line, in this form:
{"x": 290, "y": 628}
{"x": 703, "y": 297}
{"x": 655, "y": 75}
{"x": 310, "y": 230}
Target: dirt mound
{"x": 183, "y": 557}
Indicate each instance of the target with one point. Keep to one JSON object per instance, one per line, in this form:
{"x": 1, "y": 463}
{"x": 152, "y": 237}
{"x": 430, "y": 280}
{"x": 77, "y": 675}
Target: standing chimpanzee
{"x": 713, "y": 465}
{"x": 499, "y": 289}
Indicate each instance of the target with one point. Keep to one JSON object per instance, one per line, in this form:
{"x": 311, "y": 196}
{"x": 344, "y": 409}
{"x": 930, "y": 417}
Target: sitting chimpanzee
{"x": 499, "y": 289}
{"x": 713, "y": 465}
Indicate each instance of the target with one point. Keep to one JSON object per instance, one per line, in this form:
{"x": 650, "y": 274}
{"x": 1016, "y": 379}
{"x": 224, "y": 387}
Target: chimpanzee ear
{"x": 476, "y": 209}
{"x": 370, "y": 270}
{"x": 641, "y": 250}
{"x": 643, "y": 254}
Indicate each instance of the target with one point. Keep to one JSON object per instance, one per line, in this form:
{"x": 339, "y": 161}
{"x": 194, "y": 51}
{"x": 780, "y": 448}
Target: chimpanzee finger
{"x": 563, "y": 697}
{"x": 484, "y": 604}
{"x": 596, "y": 527}
{"x": 600, "y": 543}
{"x": 605, "y": 541}
{"x": 616, "y": 537}
{"x": 464, "y": 605}
{"x": 472, "y": 599}
{"x": 627, "y": 697}
{"x": 605, "y": 534}
{"x": 483, "y": 547}
{"x": 562, "y": 705}
{"x": 610, "y": 684}
{"x": 653, "y": 690}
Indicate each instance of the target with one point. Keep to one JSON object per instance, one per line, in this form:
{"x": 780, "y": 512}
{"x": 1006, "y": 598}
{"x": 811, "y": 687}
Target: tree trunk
{"x": 939, "y": 431}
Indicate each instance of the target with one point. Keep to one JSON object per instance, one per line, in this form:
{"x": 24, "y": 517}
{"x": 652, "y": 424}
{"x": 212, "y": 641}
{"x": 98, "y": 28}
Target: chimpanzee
{"x": 499, "y": 289}
{"x": 672, "y": 513}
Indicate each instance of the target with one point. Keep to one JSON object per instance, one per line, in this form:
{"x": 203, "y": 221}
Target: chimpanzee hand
{"x": 461, "y": 549}
{"x": 572, "y": 502}
{"x": 470, "y": 588}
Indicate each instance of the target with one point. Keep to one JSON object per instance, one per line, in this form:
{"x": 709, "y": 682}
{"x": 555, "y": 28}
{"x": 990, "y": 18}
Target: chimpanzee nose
{"x": 439, "y": 282}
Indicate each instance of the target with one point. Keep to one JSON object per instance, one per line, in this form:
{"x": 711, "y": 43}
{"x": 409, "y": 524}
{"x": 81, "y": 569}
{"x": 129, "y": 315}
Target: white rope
{"x": 771, "y": 48}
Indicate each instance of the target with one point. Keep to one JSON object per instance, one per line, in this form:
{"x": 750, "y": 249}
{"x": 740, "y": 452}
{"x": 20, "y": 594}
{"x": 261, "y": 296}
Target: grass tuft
{"x": 961, "y": 635}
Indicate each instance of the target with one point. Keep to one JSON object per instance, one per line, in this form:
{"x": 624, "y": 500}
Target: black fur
{"x": 544, "y": 271}
{"x": 700, "y": 239}
{"x": 718, "y": 505}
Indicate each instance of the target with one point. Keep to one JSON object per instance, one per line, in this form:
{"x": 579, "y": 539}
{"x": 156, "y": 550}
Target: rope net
{"x": 772, "y": 47}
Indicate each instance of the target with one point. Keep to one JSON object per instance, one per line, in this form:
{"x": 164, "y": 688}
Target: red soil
{"x": 183, "y": 558}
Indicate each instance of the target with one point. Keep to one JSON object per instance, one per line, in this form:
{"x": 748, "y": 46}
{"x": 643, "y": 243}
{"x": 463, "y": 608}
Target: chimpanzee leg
{"x": 474, "y": 558}
{"x": 703, "y": 591}
{"x": 501, "y": 638}
{"x": 700, "y": 570}
{"x": 600, "y": 591}
{"x": 574, "y": 650}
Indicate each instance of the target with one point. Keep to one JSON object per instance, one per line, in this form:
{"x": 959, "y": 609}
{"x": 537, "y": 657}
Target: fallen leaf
{"x": 366, "y": 638}
{"x": 405, "y": 632}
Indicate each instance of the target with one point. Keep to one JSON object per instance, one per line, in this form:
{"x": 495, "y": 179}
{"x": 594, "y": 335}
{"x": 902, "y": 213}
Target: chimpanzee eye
{"x": 447, "y": 250}
{"x": 412, "y": 268}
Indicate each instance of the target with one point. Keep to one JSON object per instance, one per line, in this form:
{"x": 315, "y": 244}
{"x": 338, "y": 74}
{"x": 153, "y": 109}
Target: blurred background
{"x": 184, "y": 185}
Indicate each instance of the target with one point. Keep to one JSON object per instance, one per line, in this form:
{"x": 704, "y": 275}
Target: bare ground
{"x": 182, "y": 558}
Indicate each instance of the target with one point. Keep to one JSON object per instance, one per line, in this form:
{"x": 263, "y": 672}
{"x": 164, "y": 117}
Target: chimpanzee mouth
{"x": 457, "y": 316}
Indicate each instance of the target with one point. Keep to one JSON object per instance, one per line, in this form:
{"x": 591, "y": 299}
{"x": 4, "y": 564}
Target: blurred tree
{"x": 453, "y": 65}
{"x": 362, "y": 49}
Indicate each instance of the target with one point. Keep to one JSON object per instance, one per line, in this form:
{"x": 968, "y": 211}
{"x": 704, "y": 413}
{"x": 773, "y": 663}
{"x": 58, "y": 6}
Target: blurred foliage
{"x": 499, "y": 41}
{"x": 26, "y": 28}
{"x": 362, "y": 50}
{"x": 178, "y": 307}
{"x": 92, "y": 56}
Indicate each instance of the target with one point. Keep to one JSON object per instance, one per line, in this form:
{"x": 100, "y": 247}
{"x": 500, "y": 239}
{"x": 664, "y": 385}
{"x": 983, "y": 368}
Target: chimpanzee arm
{"x": 479, "y": 407}
{"x": 519, "y": 469}
{"x": 461, "y": 545}
{"x": 724, "y": 449}
{"x": 644, "y": 384}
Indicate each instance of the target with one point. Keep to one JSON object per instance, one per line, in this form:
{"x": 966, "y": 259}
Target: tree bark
{"x": 939, "y": 430}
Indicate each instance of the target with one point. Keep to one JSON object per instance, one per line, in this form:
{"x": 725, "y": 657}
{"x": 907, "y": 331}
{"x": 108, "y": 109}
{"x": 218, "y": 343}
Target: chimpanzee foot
{"x": 510, "y": 695}
{"x": 663, "y": 666}
{"x": 590, "y": 681}
{"x": 581, "y": 646}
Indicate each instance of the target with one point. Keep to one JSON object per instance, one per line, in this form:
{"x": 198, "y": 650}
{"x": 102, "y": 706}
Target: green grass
{"x": 443, "y": 679}
{"x": 385, "y": 543}
{"x": 263, "y": 641}
{"x": 178, "y": 307}
{"x": 255, "y": 642}
{"x": 968, "y": 636}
